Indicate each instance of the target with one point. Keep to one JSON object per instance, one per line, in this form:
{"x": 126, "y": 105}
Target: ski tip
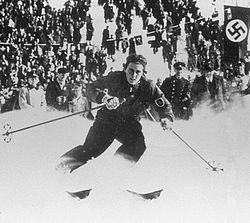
{"x": 147, "y": 196}
{"x": 80, "y": 194}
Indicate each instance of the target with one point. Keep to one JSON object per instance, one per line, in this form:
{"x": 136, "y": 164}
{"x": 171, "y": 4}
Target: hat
{"x": 179, "y": 65}
{"x": 62, "y": 70}
{"x": 138, "y": 59}
{"x": 31, "y": 74}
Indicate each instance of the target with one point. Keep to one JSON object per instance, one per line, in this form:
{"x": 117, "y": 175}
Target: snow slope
{"x": 32, "y": 190}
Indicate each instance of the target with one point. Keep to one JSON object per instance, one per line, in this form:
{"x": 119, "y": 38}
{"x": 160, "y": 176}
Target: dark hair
{"x": 136, "y": 58}
{"x": 63, "y": 70}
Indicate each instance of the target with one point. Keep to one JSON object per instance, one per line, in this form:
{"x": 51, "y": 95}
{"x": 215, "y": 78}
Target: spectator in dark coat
{"x": 58, "y": 91}
{"x": 90, "y": 29}
{"x": 177, "y": 90}
{"x": 111, "y": 47}
{"x": 105, "y": 36}
{"x": 209, "y": 87}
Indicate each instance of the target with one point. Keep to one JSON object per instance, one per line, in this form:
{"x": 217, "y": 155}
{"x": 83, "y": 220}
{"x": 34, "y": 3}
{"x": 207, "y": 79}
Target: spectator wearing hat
{"x": 209, "y": 87}
{"x": 58, "y": 91}
{"x": 177, "y": 90}
{"x": 32, "y": 96}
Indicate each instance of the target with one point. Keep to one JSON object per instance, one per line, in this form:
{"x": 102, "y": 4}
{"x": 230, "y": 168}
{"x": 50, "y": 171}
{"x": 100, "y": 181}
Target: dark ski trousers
{"x": 102, "y": 134}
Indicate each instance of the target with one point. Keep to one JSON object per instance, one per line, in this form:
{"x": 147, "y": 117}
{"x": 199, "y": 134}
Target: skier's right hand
{"x": 166, "y": 124}
{"x": 111, "y": 102}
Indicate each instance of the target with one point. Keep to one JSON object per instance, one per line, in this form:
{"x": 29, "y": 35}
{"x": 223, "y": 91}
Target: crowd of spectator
{"x": 39, "y": 43}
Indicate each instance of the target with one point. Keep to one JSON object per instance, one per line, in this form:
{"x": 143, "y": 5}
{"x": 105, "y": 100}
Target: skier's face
{"x": 134, "y": 71}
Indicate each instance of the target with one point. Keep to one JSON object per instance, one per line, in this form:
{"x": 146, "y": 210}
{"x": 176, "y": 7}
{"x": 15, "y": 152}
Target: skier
{"x": 125, "y": 94}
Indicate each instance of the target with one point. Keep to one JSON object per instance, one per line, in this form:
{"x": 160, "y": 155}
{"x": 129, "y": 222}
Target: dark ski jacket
{"x": 134, "y": 99}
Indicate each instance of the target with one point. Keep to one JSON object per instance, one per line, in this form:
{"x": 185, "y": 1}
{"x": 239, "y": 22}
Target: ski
{"x": 146, "y": 196}
{"x": 80, "y": 194}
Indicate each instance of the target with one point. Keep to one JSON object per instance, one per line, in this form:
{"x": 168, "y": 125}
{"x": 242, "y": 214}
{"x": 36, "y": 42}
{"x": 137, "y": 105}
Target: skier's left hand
{"x": 166, "y": 124}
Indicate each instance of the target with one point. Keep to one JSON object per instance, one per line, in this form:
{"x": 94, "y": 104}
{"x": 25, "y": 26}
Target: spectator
{"x": 58, "y": 91}
{"x": 108, "y": 12}
{"x": 191, "y": 58}
{"x": 145, "y": 14}
{"x": 209, "y": 87}
{"x": 105, "y": 36}
{"x": 101, "y": 60}
{"x": 91, "y": 63}
{"x": 10, "y": 93}
{"x": 90, "y": 29}
{"x": 32, "y": 96}
{"x": 177, "y": 90}
{"x": 118, "y": 36}
{"x": 245, "y": 82}
{"x": 124, "y": 45}
{"x": 132, "y": 49}
{"x": 167, "y": 53}
{"x": 111, "y": 48}
{"x": 158, "y": 38}
{"x": 78, "y": 102}
{"x": 247, "y": 63}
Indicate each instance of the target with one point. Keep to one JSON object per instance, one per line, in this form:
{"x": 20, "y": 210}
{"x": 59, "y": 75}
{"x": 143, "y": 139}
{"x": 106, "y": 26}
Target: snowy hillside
{"x": 31, "y": 189}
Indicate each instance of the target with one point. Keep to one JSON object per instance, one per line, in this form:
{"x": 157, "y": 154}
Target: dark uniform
{"x": 177, "y": 91}
{"x": 121, "y": 123}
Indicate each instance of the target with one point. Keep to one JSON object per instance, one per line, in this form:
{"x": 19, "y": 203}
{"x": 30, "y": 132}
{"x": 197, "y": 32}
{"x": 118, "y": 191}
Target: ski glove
{"x": 111, "y": 102}
{"x": 166, "y": 124}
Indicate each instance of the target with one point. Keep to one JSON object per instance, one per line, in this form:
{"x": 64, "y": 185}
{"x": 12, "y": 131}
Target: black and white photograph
{"x": 124, "y": 111}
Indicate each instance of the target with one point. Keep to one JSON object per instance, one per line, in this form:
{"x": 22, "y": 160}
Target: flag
{"x": 236, "y": 30}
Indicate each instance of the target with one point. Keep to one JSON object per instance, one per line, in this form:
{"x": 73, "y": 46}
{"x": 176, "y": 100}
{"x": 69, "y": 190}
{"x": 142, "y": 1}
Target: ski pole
{"x": 190, "y": 147}
{"x": 7, "y": 127}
